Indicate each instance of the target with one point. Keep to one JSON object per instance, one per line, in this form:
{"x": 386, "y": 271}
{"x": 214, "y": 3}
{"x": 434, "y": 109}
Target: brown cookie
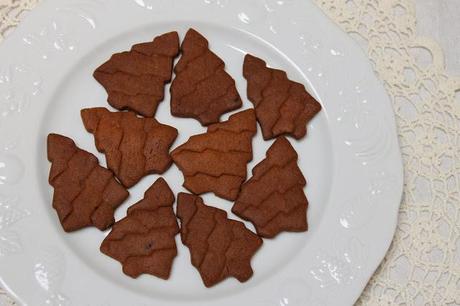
{"x": 143, "y": 241}
{"x": 216, "y": 161}
{"x": 85, "y": 194}
{"x": 273, "y": 198}
{"x": 135, "y": 79}
{"x": 202, "y": 89}
{"x": 219, "y": 247}
{"x": 283, "y": 107}
{"x": 133, "y": 146}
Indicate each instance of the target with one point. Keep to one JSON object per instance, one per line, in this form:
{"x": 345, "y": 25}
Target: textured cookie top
{"x": 219, "y": 247}
{"x": 135, "y": 79}
{"x": 85, "y": 193}
{"x": 273, "y": 198}
{"x": 283, "y": 107}
{"x": 202, "y": 89}
{"x": 216, "y": 160}
{"x": 133, "y": 146}
{"x": 143, "y": 241}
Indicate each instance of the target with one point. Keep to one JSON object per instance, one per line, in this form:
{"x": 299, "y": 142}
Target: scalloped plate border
{"x": 358, "y": 225}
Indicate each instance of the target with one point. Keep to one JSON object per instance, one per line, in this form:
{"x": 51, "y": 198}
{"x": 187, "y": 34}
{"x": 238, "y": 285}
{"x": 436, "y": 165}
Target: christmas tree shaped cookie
{"x": 135, "y": 79}
{"x": 133, "y": 146}
{"x": 143, "y": 241}
{"x": 283, "y": 107}
{"x": 216, "y": 160}
{"x": 85, "y": 194}
{"x": 219, "y": 247}
{"x": 273, "y": 198}
{"x": 201, "y": 89}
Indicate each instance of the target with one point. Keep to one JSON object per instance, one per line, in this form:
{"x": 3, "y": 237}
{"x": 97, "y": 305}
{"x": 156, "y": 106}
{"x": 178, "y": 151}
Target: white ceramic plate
{"x": 350, "y": 157}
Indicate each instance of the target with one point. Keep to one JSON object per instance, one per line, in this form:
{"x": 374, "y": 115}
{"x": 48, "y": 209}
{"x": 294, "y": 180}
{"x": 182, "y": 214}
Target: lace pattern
{"x": 10, "y": 12}
{"x": 422, "y": 266}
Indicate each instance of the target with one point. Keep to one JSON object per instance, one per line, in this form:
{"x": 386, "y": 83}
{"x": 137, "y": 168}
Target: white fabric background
{"x": 440, "y": 20}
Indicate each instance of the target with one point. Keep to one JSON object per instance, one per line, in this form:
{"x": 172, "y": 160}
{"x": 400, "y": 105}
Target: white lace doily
{"x": 422, "y": 266}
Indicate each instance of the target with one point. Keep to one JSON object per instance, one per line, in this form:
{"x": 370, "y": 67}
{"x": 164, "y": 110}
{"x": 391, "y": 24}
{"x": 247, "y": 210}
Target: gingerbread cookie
{"x": 283, "y": 107}
{"x": 273, "y": 198}
{"x": 143, "y": 241}
{"x": 85, "y": 194}
{"x": 135, "y": 79}
{"x": 201, "y": 89}
{"x": 133, "y": 146}
{"x": 216, "y": 161}
{"x": 219, "y": 247}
